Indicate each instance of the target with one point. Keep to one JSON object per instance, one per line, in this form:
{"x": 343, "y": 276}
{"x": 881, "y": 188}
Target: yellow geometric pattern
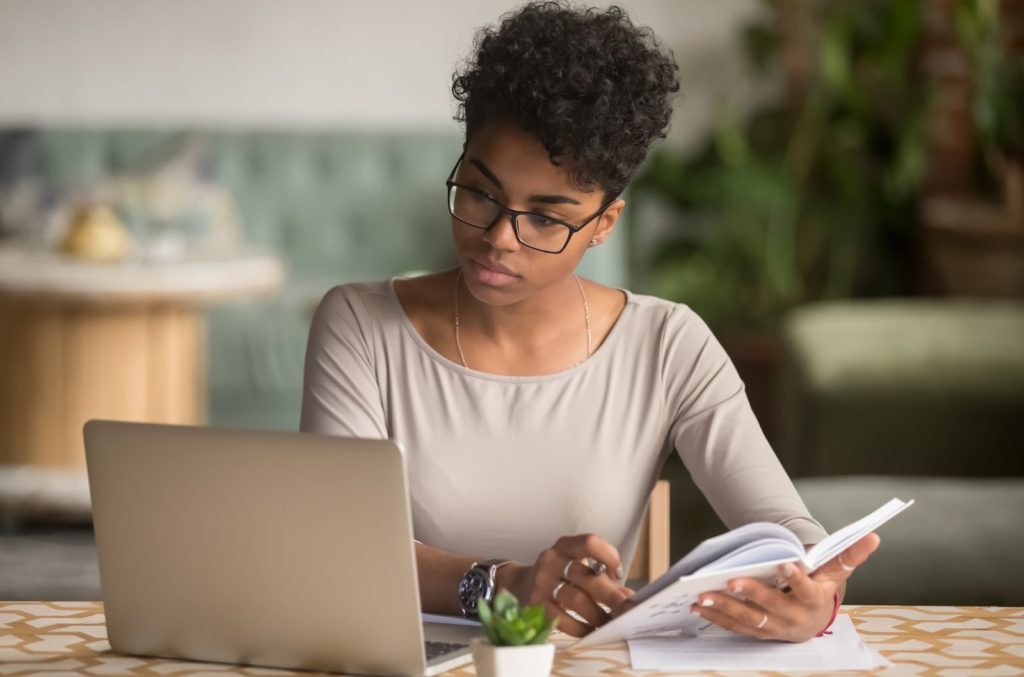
{"x": 69, "y": 638}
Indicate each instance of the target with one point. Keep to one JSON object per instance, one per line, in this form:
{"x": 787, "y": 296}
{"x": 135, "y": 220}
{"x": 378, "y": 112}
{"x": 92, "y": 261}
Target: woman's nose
{"x": 501, "y": 234}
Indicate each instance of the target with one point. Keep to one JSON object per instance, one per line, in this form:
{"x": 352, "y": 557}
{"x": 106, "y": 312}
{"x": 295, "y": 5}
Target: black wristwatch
{"x": 477, "y": 584}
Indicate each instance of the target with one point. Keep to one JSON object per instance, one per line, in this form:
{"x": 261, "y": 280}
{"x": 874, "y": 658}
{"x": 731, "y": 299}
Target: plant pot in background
{"x": 972, "y": 248}
{"x": 531, "y": 660}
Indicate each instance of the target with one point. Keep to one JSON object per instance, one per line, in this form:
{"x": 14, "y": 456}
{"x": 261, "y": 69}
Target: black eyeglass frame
{"x": 515, "y": 213}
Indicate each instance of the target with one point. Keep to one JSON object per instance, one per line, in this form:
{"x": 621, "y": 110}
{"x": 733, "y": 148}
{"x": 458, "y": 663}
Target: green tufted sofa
{"x": 915, "y": 398}
{"x": 339, "y": 206}
{"x": 919, "y": 399}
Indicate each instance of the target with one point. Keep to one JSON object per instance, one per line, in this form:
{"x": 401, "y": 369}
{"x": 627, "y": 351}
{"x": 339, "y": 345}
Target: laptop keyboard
{"x": 435, "y": 649}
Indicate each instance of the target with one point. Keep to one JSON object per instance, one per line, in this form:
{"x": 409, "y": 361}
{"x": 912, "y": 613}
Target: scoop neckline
{"x": 597, "y": 355}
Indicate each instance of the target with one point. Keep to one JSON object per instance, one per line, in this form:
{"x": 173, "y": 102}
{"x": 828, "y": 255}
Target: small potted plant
{"x": 516, "y": 644}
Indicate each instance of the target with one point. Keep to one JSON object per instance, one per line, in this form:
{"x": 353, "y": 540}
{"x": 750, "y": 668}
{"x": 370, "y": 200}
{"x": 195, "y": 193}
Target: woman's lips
{"x": 491, "y": 277}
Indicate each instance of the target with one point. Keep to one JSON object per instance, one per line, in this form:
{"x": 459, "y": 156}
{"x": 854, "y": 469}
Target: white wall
{"x": 298, "y": 62}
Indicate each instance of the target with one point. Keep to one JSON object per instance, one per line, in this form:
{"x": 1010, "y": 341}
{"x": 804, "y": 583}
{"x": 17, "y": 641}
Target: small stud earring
{"x": 594, "y": 242}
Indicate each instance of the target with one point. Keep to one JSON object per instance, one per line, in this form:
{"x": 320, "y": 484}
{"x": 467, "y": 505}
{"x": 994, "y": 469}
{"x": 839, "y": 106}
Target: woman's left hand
{"x": 765, "y": 612}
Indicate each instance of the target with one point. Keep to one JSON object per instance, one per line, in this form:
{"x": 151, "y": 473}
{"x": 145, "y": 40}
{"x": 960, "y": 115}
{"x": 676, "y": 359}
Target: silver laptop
{"x": 285, "y": 550}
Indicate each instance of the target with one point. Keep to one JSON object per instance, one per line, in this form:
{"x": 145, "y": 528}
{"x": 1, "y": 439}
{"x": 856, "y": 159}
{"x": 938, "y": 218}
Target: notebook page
{"x": 758, "y": 552}
{"x": 842, "y": 539}
{"x": 713, "y": 549}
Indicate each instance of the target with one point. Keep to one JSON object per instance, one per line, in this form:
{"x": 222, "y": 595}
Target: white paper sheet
{"x": 450, "y": 620}
{"x": 718, "y": 649}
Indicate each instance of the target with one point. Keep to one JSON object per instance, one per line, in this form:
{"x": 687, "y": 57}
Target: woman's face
{"x": 512, "y": 167}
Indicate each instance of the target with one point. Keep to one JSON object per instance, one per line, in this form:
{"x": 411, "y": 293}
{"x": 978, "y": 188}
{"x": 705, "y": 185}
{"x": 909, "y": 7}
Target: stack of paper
{"x": 717, "y": 649}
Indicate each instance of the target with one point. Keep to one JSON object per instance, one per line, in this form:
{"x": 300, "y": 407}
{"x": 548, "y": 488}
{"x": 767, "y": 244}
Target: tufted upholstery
{"x": 339, "y": 206}
{"x": 920, "y": 399}
{"x": 907, "y": 387}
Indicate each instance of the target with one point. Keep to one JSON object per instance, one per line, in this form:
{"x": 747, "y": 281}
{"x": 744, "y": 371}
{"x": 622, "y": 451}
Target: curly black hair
{"x": 595, "y": 88}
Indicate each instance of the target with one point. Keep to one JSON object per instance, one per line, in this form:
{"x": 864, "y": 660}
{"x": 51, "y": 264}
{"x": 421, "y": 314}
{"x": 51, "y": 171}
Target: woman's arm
{"x": 719, "y": 440}
{"x": 717, "y": 436}
{"x": 340, "y": 392}
{"x": 439, "y": 575}
{"x": 580, "y": 590}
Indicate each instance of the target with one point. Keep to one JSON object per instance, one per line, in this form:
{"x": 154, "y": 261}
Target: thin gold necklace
{"x": 586, "y": 317}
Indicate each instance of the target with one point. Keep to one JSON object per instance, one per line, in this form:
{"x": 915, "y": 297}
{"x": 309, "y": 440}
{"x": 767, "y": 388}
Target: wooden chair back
{"x": 652, "y": 551}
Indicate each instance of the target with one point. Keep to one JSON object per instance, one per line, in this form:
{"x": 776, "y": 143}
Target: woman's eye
{"x": 541, "y": 221}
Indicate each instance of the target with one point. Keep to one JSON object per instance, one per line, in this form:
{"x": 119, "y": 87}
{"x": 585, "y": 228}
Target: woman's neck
{"x": 551, "y": 314}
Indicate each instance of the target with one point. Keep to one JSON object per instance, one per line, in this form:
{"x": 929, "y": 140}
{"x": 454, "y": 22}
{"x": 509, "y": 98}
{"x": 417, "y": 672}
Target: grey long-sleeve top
{"x": 502, "y": 466}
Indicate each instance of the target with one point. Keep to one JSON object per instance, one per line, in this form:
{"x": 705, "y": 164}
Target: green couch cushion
{"x": 958, "y": 544}
{"x": 905, "y": 387}
{"x": 916, "y": 347}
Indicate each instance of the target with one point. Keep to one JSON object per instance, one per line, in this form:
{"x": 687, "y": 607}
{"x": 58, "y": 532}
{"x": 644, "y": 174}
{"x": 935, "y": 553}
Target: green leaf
{"x": 484, "y": 611}
{"x": 506, "y": 624}
{"x": 542, "y": 636}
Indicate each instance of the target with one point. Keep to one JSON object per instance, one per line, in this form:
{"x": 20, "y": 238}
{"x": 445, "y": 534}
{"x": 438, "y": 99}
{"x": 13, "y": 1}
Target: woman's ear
{"x": 606, "y": 222}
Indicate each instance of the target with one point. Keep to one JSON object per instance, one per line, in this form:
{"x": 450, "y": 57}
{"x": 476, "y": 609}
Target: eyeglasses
{"x": 536, "y": 231}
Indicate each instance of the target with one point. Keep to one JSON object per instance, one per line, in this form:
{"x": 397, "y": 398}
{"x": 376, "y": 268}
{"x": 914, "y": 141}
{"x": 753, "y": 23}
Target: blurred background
{"x": 841, "y": 197}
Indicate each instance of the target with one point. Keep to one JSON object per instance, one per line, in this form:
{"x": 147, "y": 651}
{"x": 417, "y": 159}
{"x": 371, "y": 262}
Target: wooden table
{"x": 123, "y": 340}
{"x": 70, "y": 637}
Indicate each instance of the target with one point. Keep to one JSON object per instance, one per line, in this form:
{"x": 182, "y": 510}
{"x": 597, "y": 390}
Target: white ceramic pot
{"x": 534, "y": 660}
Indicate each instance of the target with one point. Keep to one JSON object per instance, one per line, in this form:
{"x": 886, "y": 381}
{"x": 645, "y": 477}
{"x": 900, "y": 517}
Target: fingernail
{"x": 619, "y": 573}
{"x": 736, "y": 587}
{"x": 787, "y": 570}
{"x": 696, "y": 612}
{"x": 707, "y": 602}
{"x": 630, "y": 592}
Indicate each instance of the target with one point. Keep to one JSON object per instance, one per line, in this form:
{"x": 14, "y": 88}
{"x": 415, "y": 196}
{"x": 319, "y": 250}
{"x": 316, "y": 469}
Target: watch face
{"x": 472, "y": 586}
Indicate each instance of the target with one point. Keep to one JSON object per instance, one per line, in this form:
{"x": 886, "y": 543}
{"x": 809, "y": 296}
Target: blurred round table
{"x": 125, "y": 340}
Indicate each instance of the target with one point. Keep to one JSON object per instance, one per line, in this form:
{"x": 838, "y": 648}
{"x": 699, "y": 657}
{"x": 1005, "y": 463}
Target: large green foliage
{"x": 809, "y": 197}
{"x": 998, "y": 102}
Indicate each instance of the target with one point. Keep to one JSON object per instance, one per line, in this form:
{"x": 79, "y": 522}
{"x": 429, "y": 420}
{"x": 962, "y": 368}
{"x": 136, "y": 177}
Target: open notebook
{"x": 751, "y": 551}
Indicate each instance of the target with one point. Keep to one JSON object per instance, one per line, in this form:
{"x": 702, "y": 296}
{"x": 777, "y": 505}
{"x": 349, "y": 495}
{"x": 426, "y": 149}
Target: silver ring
{"x": 846, "y": 567}
{"x": 764, "y": 619}
{"x": 554, "y": 593}
{"x": 576, "y": 617}
{"x": 565, "y": 570}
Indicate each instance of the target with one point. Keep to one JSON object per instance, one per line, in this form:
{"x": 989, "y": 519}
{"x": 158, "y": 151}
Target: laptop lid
{"x": 288, "y": 550}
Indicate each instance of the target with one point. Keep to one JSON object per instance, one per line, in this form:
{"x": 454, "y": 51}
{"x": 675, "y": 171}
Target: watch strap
{"x": 489, "y": 569}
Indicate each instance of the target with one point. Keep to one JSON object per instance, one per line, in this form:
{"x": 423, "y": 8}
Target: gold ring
{"x": 764, "y": 619}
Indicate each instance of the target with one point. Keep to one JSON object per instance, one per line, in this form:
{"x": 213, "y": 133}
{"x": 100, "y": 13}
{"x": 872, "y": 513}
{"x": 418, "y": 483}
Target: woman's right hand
{"x": 583, "y": 590}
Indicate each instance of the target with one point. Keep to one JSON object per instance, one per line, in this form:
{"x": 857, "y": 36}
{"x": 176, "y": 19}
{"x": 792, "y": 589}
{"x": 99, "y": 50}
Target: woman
{"x": 537, "y": 408}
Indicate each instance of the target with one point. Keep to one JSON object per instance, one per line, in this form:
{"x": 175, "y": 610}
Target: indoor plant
{"x": 974, "y": 230}
{"x": 812, "y": 194}
{"x": 516, "y": 643}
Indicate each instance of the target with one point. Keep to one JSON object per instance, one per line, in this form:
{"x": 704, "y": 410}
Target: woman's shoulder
{"x": 425, "y": 293}
{"x": 382, "y": 303}
{"x": 366, "y": 309}
{"x": 354, "y": 297}
{"x": 665, "y": 318}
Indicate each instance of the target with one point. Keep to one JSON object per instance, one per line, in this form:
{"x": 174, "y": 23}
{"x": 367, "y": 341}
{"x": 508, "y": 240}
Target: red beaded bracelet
{"x": 835, "y": 612}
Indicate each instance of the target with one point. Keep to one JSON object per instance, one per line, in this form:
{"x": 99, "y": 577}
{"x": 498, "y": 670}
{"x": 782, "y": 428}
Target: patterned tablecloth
{"x": 70, "y": 638}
